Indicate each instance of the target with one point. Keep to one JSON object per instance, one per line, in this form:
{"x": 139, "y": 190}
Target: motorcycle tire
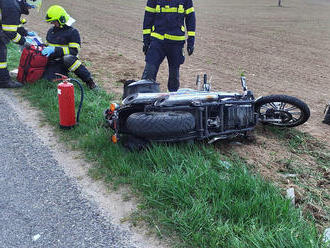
{"x": 289, "y": 110}
{"x": 160, "y": 124}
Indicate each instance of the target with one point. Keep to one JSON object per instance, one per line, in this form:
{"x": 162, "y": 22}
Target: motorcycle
{"x": 148, "y": 115}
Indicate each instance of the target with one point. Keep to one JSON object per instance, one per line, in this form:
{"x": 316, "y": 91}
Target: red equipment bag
{"x": 32, "y": 64}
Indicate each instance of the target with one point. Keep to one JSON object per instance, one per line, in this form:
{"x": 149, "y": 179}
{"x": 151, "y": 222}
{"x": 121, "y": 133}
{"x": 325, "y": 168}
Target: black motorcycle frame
{"x": 217, "y": 115}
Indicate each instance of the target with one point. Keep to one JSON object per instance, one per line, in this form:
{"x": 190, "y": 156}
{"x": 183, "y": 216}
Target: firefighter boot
{"x": 91, "y": 84}
{"x": 10, "y": 84}
{"x": 327, "y": 115}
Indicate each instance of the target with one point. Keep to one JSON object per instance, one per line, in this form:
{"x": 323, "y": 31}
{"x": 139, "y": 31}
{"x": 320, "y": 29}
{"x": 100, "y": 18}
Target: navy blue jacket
{"x": 66, "y": 40}
{"x": 168, "y": 20}
{"x": 10, "y": 20}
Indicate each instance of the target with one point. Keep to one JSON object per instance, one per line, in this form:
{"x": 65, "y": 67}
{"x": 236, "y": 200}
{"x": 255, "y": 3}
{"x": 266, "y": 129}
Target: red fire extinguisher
{"x": 66, "y": 103}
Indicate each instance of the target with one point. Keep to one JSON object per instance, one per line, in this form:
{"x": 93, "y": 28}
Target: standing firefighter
{"x": 11, "y": 11}
{"x": 327, "y": 114}
{"x": 164, "y": 25}
{"x": 63, "y": 46}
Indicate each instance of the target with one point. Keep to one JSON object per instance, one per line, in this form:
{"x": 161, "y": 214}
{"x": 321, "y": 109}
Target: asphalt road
{"x": 40, "y": 206}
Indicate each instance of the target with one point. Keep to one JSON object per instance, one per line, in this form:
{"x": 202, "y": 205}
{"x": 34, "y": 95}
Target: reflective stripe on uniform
{"x": 147, "y": 31}
{"x": 190, "y": 10}
{"x": 168, "y": 37}
{"x": 3, "y": 65}
{"x": 66, "y": 50}
{"x": 191, "y": 33}
{"x": 158, "y": 36}
{"x": 174, "y": 37}
{"x": 9, "y": 28}
{"x": 180, "y": 9}
{"x": 56, "y": 45}
{"x": 17, "y": 38}
{"x": 75, "y": 65}
{"x": 149, "y": 9}
{"x": 74, "y": 45}
{"x": 169, "y": 10}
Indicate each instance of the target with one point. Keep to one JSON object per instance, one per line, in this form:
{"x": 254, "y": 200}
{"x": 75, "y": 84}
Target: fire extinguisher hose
{"x": 81, "y": 97}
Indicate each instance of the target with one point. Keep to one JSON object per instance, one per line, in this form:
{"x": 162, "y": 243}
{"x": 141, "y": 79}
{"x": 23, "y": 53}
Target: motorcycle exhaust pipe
{"x": 142, "y": 98}
{"x": 184, "y": 97}
{"x": 178, "y": 99}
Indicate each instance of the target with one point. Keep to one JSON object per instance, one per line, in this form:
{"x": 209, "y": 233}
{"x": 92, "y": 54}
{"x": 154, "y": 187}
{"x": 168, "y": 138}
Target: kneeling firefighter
{"x": 164, "y": 36}
{"x": 63, "y": 45}
{"x": 10, "y": 14}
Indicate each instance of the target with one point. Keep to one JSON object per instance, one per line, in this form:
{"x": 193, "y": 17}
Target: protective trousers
{"x": 4, "y": 74}
{"x": 68, "y": 63}
{"x": 157, "y": 51}
{"x": 327, "y": 115}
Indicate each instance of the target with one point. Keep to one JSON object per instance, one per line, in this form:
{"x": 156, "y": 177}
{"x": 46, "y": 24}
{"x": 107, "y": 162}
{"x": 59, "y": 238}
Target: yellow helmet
{"x": 57, "y": 13}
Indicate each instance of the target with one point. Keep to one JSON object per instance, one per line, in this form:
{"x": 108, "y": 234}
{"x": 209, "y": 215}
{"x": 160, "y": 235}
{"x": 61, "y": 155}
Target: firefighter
{"x": 164, "y": 26}
{"x": 11, "y": 11}
{"x": 24, "y": 32}
{"x": 326, "y": 119}
{"x": 63, "y": 46}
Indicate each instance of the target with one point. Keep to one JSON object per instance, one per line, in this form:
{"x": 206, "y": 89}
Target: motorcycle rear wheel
{"x": 160, "y": 124}
{"x": 282, "y": 110}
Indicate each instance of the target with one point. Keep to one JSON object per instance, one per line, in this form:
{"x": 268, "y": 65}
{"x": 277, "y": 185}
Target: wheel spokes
{"x": 287, "y": 112}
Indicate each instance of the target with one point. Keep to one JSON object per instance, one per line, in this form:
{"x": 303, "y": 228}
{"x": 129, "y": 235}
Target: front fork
{"x": 111, "y": 117}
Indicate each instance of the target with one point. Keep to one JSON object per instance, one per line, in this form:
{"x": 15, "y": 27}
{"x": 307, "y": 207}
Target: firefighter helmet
{"x": 57, "y": 13}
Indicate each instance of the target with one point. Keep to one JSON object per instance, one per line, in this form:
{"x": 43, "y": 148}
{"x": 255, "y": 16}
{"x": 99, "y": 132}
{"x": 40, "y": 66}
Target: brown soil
{"x": 282, "y": 51}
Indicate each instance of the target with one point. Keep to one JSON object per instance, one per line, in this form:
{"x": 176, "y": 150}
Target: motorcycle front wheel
{"x": 282, "y": 110}
{"x": 160, "y": 124}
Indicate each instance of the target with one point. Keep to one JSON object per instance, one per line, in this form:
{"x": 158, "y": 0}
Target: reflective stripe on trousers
{"x": 4, "y": 74}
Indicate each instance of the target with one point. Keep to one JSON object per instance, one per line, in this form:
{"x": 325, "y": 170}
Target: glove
{"x": 145, "y": 47}
{"x": 31, "y": 34}
{"x": 47, "y": 51}
{"x": 190, "y": 50}
{"x": 29, "y": 40}
{"x": 30, "y": 6}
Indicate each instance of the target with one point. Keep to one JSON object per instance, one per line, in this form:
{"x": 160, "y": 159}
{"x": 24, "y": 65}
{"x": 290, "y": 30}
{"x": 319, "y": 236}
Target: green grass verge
{"x": 204, "y": 198}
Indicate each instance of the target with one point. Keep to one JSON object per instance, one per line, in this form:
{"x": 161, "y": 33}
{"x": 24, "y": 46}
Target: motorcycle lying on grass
{"x": 148, "y": 115}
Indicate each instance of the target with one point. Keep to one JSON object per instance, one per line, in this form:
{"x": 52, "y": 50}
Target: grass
{"x": 202, "y": 197}
{"x": 303, "y": 143}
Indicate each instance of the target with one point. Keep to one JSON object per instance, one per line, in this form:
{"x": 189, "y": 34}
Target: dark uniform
{"x": 164, "y": 26}
{"x": 327, "y": 115}
{"x": 66, "y": 41}
{"x": 21, "y": 30}
{"x": 11, "y": 11}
